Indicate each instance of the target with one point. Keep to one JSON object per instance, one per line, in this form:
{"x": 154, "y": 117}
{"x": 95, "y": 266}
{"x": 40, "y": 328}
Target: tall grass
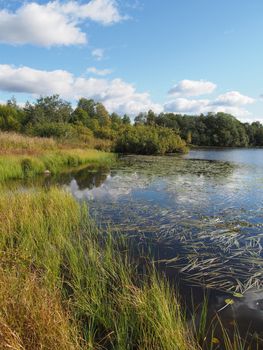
{"x": 12, "y": 143}
{"x": 68, "y": 286}
{"x": 22, "y": 156}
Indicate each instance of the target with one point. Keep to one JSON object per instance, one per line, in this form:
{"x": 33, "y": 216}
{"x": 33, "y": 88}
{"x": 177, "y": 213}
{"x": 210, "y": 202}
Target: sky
{"x": 182, "y": 56}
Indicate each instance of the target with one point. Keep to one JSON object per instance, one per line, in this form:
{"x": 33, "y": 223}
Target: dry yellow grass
{"x": 17, "y": 144}
{"x": 31, "y": 318}
{"x": 12, "y": 143}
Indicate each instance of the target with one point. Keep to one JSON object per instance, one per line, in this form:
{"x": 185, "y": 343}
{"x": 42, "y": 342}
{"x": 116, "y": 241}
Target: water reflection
{"x": 208, "y": 213}
{"x": 202, "y": 219}
{"x": 112, "y": 188}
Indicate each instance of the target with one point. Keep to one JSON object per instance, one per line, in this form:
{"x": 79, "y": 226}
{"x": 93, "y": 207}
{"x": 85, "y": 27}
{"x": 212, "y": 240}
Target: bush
{"x": 57, "y": 130}
{"x": 149, "y": 140}
{"x": 10, "y": 118}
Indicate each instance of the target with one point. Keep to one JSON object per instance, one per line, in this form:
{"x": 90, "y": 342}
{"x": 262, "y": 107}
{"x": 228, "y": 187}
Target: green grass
{"x": 64, "y": 280}
{"x": 66, "y": 285}
{"x": 23, "y": 156}
{"x": 24, "y": 166}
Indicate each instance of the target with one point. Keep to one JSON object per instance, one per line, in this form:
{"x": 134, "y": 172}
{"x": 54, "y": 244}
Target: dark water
{"x": 202, "y": 216}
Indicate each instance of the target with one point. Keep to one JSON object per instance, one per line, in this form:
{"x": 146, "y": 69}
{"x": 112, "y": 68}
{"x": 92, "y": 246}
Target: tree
{"x": 10, "y": 118}
{"x": 126, "y": 120}
{"x": 80, "y": 116}
{"x": 48, "y": 109}
{"x": 102, "y": 115}
{"x": 87, "y": 105}
{"x": 140, "y": 119}
{"x": 150, "y": 118}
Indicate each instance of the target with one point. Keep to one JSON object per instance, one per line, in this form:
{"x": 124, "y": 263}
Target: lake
{"x": 202, "y": 217}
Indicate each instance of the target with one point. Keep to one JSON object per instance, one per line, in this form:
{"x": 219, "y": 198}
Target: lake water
{"x": 202, "y": 216}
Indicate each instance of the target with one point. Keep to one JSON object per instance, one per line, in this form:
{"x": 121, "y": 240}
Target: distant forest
{"x": 150, "y": 133}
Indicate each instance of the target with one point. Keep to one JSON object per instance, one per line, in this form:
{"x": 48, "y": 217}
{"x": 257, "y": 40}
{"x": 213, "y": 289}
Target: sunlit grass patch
{"x": 22, "y": 166}
{"x": 12, "y": 143}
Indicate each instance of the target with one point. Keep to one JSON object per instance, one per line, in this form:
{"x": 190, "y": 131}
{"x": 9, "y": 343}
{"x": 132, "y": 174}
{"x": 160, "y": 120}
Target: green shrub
{"x": 57, "y": 130}
{"x": 141, "y": 139}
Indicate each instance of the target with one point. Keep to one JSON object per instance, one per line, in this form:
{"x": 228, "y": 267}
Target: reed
{"x": 12, "y": 143}
{"x": 64, "y": 284}
{"x": 77, "y": 281}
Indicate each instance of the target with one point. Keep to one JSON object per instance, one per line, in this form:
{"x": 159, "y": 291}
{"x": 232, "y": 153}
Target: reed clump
{"x": 68, "y": 286}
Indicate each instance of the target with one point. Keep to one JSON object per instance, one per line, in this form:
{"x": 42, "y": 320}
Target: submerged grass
{"x": 65, "y": 285}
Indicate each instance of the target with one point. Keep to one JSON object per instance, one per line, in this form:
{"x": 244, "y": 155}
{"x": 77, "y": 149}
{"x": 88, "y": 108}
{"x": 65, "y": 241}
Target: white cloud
{"x": 186, "y": 106}
{"x": 116, "y": 94}
{"x": 101, "y": 11}
{"x": 54, "y": 23}
{"x": 194, "y": 107}
{"x": 232, "y": 102}
{"x": 233, "y": 98}
{"x": 98, "y": 54}
{"x": 28, "y": 80}
{"x": 100, "y": 72}
{"x": 187, "y": 88}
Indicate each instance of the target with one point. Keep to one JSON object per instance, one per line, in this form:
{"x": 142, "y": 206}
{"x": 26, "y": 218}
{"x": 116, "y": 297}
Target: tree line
{"x": 214, "y": 130}
{"x": 51, "y": 116}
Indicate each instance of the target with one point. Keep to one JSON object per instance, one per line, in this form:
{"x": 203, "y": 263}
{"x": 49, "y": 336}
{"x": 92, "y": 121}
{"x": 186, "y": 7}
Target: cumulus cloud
{"x": 54, "y": 23}
{"x": 187, "y": 88}
{"x": 186, "y": 106}
{"x": 28, "y": 80}
{"x": 232, "y": 102}
{"x": 116, "y": 94}
{"x": 194, "y": 107}
{"x": 100, "y": 72}
{"x": 233, "y": 98}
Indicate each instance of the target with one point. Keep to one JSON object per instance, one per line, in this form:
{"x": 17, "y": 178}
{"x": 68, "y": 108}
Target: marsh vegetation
{"x": 155, "y": 253}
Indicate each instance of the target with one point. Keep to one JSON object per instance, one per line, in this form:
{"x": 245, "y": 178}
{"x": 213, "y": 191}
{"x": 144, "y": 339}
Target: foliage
{"x": 143, "y": 139}
{"x": 52, "y": 129}
{"x": 48, "y": 109}
{"x": 89, "y": 124}
{"x": 50, "y": 116}
{"x": 11, "y": 118}
{"x": 220, "y": 129}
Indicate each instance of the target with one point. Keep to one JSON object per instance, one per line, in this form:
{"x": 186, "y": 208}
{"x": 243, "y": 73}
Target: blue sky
{"x": 186, "y": 56}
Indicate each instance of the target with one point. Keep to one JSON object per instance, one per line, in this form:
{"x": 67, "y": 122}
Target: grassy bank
{"x": 64, "y": 285}
{"x": 22, "y": 156}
